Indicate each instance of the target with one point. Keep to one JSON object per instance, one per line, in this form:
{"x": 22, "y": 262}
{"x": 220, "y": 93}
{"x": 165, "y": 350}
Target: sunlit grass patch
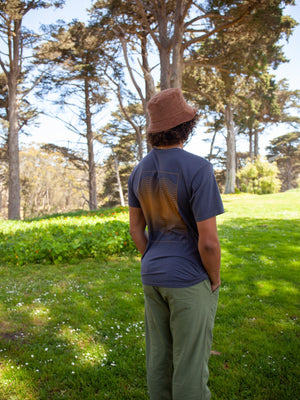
{"x": 77, "y": 336}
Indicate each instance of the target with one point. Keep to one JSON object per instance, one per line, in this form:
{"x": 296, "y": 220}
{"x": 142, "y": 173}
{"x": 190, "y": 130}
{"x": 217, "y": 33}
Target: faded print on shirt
{"x": 157, "y": 194}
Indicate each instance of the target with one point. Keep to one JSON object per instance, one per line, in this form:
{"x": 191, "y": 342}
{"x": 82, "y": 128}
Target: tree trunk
{"x": 177, "y": 49}
{"x": 149, "y": 90}
{"x": 231, "y": 151}
{"x": 165, "y": 69}
{"x": 289, "y": 174}
{"x": 251, "y": 155}
{"x": 90, "y": 143}
{"x": 212, "y": 143}
{"x": 13, "y": 149}
{"x": 149, "y": 82}
{"x": 119, "y": 182}
{"x": 177, "y": 69}
{"x": 14, "y": 42}
{"x": 139, "y": 139}
{"x": 164, "y": 49}
{"x": 256, "y": 150}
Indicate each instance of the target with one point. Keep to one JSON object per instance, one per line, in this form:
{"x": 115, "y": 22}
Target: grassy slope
{"x": 257, "y": 329}
{"x": 76, "y": 331}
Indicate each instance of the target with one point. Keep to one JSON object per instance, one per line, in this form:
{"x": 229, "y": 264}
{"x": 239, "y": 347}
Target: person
{"x": 173, "y": 203}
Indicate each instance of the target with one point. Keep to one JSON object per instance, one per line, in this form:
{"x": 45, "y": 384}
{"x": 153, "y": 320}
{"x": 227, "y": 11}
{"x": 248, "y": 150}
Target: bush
{"x": 66, "y": 238}
{"x": 259, "y": 177}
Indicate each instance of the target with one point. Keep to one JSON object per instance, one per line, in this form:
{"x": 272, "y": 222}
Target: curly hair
{"x": 179, "y": 133}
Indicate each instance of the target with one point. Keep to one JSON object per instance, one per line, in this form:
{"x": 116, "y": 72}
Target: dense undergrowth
{"x": 66, "y": 237}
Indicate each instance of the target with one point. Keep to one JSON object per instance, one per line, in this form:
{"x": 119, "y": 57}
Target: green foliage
{"x": 66, "y": 238}
{"x": 259, "y": 177}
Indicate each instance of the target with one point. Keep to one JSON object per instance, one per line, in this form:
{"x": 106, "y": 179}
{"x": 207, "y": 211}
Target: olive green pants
{"x": 179, "y": 330}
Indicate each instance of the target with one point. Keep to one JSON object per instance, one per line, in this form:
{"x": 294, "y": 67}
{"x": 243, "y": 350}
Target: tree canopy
{"x": 219, "y": 52}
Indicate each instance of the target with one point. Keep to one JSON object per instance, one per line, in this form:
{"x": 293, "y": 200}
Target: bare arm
{"x": 137, "y": 225}
{"x": 209, "y": 249}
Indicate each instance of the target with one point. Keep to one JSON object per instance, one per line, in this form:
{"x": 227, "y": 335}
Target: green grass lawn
{"x": 74, "y": 329}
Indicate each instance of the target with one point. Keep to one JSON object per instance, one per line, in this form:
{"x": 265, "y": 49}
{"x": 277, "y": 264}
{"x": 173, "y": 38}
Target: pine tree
{"x": 285, "y": 150}
{"x": 16, "y": 39}
{"x": 78, "y": 52}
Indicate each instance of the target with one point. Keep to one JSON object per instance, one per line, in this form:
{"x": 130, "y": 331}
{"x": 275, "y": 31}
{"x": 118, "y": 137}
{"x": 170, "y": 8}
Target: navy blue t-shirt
{"x": 175, "y": 189}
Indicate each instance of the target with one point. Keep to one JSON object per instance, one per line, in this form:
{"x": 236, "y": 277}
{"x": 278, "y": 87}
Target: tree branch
{"x": 35, "y": 83}
{"x": 145, "y": 20}
{"x": 219, "y": 28}
{"x": 204, "y": 65}
{"x": 68, "y": 125}
{"x": 199, "y": 7}
{"x": 197, "y": 30}
{"x": 3, "y": 67}
{"x": 186, "y": 8}
{"x": 123, "y": 109}
{"x": 209, "y": 15}
{"x": 128, "y": 119}
{"x": 124, "y": 48}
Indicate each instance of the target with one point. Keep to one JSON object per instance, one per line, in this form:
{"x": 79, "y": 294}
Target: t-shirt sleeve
{"x": 206, "y": 201}
{"x": 133, "y": 201}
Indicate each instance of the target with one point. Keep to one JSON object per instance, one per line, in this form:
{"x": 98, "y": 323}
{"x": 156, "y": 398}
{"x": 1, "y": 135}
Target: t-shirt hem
{"x": 174, "y": 284}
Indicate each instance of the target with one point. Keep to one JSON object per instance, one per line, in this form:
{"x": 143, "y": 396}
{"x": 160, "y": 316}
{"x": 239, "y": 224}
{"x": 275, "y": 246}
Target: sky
{"x": 51, "y": 130}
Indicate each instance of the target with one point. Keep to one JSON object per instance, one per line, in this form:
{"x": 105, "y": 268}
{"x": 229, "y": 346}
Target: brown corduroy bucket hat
{"x": 168, "y": 109}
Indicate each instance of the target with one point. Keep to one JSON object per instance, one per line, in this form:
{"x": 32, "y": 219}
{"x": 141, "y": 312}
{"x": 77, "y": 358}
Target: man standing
{"x": 173, "y": 204}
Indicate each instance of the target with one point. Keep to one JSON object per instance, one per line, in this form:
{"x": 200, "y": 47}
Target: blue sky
{"x": 54, "y": 131}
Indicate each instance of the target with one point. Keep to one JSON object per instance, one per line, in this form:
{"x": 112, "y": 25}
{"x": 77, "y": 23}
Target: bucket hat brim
{"x": 168, "y": 109}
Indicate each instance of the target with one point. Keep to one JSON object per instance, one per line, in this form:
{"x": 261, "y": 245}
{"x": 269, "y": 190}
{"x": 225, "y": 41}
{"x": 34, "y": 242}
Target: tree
{"x": 120, "y": 136}
{"x": 257, "y": 107}
{"x": 115, "y": 182}
{"x": 259, "y": 177}
{"x": 244, "y": 33}
{"x": 79, "y": 54}
{"x": 285, "y": 150}
{"x": 125, "y": 32}
{"x": 16, "y": 39}
{"x": 50, "y": 182}
{"x": 129, "y": 113}
{"x": 214, "y": 125}
{"x": 249, "y": 29}
{"x": 266, "y": 102}
{"x": 175, "y": 27}
{"x": 232, "y": 57}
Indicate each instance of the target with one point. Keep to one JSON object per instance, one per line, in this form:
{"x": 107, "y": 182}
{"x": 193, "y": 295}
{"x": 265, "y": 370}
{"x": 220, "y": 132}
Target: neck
{"x": 172, "y": 146}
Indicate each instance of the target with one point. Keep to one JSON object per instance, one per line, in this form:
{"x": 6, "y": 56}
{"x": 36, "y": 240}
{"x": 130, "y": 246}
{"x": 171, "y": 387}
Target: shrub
{"x": 259, "y": 177}
{"x": 66, "y": 238}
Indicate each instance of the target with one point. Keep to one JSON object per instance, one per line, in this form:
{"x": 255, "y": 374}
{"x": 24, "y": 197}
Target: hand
{"x": 215, "y": 285}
